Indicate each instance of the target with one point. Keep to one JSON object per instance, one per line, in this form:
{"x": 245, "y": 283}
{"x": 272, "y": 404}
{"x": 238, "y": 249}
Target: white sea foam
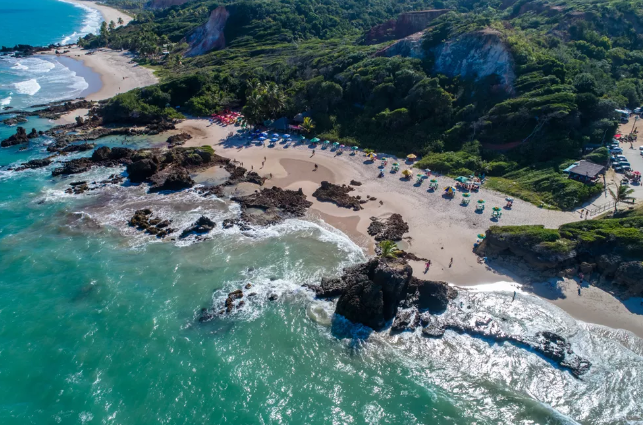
{"x": 91, "y": 23}
{"x": 20, "y": 66}
{"x": 6, "y": 101}
{"x": 28, "y": 87}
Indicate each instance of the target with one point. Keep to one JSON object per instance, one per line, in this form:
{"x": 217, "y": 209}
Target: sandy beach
{"x": 109, "y": 13}
{"x": 440, "y": 228}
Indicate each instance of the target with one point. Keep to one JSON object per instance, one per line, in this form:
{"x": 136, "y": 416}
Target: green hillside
{"x": 570, "y": 64}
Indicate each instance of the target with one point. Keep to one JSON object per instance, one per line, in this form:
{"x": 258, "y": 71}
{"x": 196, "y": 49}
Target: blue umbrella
{"x": 275, "y": 139}
{"x": 264, "y": 134}
{"x": 262, "y": 138}
{"x": 275, "y": 135}
{"x": 286, "y": 136}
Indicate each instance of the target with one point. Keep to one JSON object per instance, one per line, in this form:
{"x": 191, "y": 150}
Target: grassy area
{"x": 545, "y": 185}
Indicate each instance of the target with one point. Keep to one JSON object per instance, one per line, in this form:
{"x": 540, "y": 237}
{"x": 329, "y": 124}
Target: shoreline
{"x": 440, "y": 229}
{"x": 108, "y": 13}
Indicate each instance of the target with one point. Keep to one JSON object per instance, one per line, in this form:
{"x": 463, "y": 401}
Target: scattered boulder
{"x": 16, "y": 139}
{"x": 277, "y": 204}
{"x": 202, "y": 225}
{"x": 141, "y": 170}
{"x": 355, "y": 183}
{"x": 339, "y": 195}
{"x": 142, "y": 220}
{"x": 177, "y": 179}
{"x": 34, "y": 163}
{"x": 178, "y": 139}
{"x": 393, "y": 228}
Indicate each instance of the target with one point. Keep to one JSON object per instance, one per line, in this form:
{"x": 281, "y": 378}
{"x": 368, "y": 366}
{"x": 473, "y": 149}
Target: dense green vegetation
{"x": 623, "y": 235}
{"x": 574, "y": 63}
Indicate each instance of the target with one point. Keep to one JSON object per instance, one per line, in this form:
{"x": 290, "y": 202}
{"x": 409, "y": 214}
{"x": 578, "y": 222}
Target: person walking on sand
{"x": 313, "y": 153}
{"x": 451, "y": 262}
{"x": 514, "y": 298}
{"x": 427, "y": 266}
{"x": 315, "y": 167}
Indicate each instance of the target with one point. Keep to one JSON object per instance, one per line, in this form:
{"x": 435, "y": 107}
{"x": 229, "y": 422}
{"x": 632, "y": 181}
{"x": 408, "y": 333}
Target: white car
{"x": 616, "y": 150}
{"x": 621, "y": 158}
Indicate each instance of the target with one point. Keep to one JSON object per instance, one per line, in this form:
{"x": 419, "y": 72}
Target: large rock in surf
{"x": 176, "y": 179}
{"x": 141, "y": 170}
{"x": 16, "y": 139}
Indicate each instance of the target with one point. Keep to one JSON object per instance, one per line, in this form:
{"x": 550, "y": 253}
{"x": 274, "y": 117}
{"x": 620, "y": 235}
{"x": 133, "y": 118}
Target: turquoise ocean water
{"x": 37, "y": 80}
{"x": 97, "y": 326}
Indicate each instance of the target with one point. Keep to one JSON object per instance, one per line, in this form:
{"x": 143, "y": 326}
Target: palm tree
{"x": 120, "y": 21}
{"x": 389, "y": 249}
{"x": 308, "y": 125}
{"x": 622, "y": 194}
{"x": 112, "y": 25}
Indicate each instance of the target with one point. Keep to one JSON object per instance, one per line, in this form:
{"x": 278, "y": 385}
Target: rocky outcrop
{"x": 406, "y": 24}
{"x": 209, "y": 36}
{"x": 15, "y": 120}
{"x": 20, "y": 137}
{"x": 178, "y": 139}
{"x": 393, "y": 228}
{"x": 176, "y": 179}
{"x": 142, "y": 220}
{"x": 201, "y": 226}
{"x": 339, "y": 195}
{"x": 34, "y": 163}
{"x": 276, "y": 205}
{"x": 548, "y": 344}
{"x": 77, "y": 188}
{"x": 477, "y": 55}
{"x": 370, "y": 293}
{"x": 102, "y": 157}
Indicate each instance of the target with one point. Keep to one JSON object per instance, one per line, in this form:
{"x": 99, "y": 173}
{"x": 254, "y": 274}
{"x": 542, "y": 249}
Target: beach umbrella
{"x": 287, "y": 136}
{"x": 354, "y": 148}
{"x": 411, "y": 156}
{"x": 396, "y": 164}
{"x": 289, "y": 140}
{"x": 342, "y": 146}
{"x": 481, "y": 201}
{"x": 466, "y": 195}
{"x": 326, "y": 142}
{"x": 382, "y": 159}
{"x": 426, "y": 170}
{"x": 432, "y": 180}
{"x": 314, "y": 140}
{"x": 335, "y": 143}
{"x": 419, "y": 176}
{"x": 262, "y": 138}
{"x": 510, "y": 199}
{"x": 275, "y": 135}
{"x": 461, "y": 179}
{"x": 496, "y": 208}
{"x": 264, "y": 134}
{"x": 481, "y": 235}
{"x": 275, "y": 139}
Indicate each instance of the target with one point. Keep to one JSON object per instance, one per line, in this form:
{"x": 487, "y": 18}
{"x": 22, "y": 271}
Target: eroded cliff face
{"x": 209, "y": 36}
{"x": 162, "y": 4}
{"x": 474, "y": 55}
{"x": 477, "y": 55}
{"x": 405, "y": 25}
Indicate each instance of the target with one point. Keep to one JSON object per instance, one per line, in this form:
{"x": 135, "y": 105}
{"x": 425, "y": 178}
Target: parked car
{"x": 616, "y": 150}
{"x": 626, "y": 167}
{"x": 618, "y": 168}
{"x": 621, "y": 158}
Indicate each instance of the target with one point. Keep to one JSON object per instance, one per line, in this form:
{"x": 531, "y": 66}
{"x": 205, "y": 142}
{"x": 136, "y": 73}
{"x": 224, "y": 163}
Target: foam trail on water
{"x": 28, "y": 87}
{"x": 91, "y": 24}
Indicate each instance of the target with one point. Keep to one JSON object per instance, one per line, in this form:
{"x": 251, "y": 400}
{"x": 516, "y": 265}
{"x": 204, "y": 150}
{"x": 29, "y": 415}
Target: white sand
{"x": 109, "y": 13}
{"x": 440, "y": 229}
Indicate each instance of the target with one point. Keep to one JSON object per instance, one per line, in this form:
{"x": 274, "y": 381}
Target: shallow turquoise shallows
{"x": 98, "y": 326}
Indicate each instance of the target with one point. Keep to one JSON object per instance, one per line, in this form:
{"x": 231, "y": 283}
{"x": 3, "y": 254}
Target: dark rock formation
{"x": 355, "y": 183}
{"x": 15, "y": 120}
{"x": 547, "y": 344}
{"x": 406, "y": 24}
{"x": 34, "y": 163}
{"x": 142, "y": 170}
{"x": 630, "y": 275}
{"x": 393, "y": 228}
{"x": 209, "y": 36}
{"x": 102, "y": 157}
{"x": 277, "y": 204}
{"x": 78, "y": 148}
{"x": 329, "y": 192}
{"x": 370, "y": 293}
{"x": 18, "y": 138}
{"x": 202, "y": 225}
{"x": 177, "y": 179}
{"x": 406, "y": 320}
{"x": 142, "y": 220}
{"x": 178, "y": 139}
